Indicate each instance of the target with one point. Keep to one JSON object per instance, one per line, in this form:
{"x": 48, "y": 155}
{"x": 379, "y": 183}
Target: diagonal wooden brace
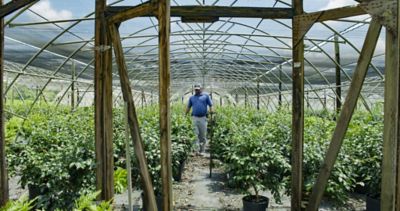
{"x": 132, "y": 117}
{"x": 345, "y": 114}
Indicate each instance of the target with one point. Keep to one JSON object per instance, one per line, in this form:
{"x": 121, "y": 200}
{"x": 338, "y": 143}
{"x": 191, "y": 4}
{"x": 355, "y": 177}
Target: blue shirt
{"x": 199, "y": 103}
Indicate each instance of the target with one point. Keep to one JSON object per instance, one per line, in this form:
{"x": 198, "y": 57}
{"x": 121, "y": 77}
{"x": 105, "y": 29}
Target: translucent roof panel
{"x": 56, "y": 38}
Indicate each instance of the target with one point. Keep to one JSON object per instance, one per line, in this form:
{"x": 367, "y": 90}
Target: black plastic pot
{"x": 251, "y": 203}
{"x": 178, "y": 173}
{"x": 373, "y": 204}
{"x": 158, "y": 202}
{"x": 34, "y": 191}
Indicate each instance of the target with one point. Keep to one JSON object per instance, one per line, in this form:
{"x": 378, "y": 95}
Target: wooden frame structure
{"x": 107, "y": 20}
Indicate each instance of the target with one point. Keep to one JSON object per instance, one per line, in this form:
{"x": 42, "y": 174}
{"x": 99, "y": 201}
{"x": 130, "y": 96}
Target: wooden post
{"x": 4, "y": 194}
{"x": 73, "y": 85}
{"x": 103, "y": 106}
{"x": 398, "y": 113}
{"x": 338, "y": 80}
{"x": 280, "y": 87}
{"x": 258, "y": 95}
{"x": 345, "y": 114}
{"x": 391, "y": 121}
{"x": 132, "y": 119}
{"x": 220, "y": 100}
{"x": 165, "y": 111}
{"x": 297, "y": 110}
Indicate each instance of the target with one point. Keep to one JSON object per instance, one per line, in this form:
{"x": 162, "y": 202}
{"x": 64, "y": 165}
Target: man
{"x": 198, "y": 103}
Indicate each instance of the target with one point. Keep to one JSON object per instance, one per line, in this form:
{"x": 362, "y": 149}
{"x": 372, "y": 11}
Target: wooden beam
{"x": 305, "y": 21}
{"x": 164, "y": 100}
{"x": 338, "y": 78}
{"x": 398, "y": 114}
{"x": 297, "y": 109}
{"x": 14, "y": 5}
{"x": 345, "y": 114}
{"x": 338, "y": 13}
{"x": 103, "y": 106}
{"x": 391, "y": 121}
{"x": 218, "y": 11}
{"x": 4, "y": 192}
{"x": 126, "y": 13}
{"x": 132, "y": 118}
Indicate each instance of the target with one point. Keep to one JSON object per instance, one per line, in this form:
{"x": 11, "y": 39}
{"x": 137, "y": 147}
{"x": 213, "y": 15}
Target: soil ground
{"x": 197, "y": 191}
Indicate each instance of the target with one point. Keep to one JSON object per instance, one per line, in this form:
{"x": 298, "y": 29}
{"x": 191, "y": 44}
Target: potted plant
{"x": 257, "y": 165}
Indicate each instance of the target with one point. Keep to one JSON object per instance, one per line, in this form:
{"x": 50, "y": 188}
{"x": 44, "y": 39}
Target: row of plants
{"x": 53, "y": 151}
{"x": 255, "y": 147}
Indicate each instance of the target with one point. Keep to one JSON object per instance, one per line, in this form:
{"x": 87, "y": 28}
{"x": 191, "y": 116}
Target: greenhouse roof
{"x": 51, "y": 39}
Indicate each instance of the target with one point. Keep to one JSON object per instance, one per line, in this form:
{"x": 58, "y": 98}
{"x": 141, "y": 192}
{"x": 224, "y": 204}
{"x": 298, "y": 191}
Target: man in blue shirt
{"x": 198, "y": 103}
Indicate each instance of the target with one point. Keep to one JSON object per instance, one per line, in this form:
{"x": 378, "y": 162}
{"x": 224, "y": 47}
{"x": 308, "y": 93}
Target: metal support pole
{"x": 338, "y": 79}
{"x": 128, "y": 157}
{"x": 258, "y": 95}
{"x": 73, "y": 85}
{"x": 280, "y": 87}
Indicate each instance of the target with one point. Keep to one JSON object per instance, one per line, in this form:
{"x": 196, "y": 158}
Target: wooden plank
{"x": 14, "y": 5}
{"x": 391, "y": 121}
{"x": 338, "y": 79}
{"x": 338, "y": 13}
{"x": 219, "y": 11}
{"x": 103, "y": 107}
{"x": 132, "y": 118}
{"x": 108, "y": 159}
{"x": 126, "y": 13}
{"x": 164, "y": 100}
{"x": 345, "y": 114}
{"x": 4, "y": 192}
{"x": 398, "y": 114}
{"x": 297, "y": 109}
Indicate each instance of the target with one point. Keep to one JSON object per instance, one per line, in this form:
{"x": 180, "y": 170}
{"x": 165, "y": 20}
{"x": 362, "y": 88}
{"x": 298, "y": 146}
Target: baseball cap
{"x": 197, "y": 86}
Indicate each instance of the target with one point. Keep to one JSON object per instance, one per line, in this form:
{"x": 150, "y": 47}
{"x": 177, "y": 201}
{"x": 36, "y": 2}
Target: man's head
{"x": 197, "y": 88}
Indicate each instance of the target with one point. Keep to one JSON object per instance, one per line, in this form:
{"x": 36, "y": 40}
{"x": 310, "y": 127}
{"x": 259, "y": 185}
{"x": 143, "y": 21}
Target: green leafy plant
{"x": 87, "y": 202}
{"x": 55, "y": 156}
{"x": 22, "y": 204}
{"x": 120, "y": 180}
{"x": 256, "y": 164}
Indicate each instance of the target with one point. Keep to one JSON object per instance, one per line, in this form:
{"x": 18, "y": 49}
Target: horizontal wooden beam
{"x": 126, "y": 13}
{"x": 338, "y": 13}
{"x": 217, "y": 12}
{"x": 12, "y": 6}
